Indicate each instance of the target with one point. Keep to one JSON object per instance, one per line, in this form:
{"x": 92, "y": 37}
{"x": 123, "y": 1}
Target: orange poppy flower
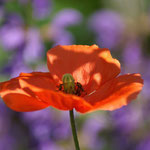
{"x": 97, "y": 85}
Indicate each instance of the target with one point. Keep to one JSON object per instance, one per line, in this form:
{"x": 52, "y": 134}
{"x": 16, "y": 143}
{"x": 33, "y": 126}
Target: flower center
{"x": 69, "y": 86}
{"x": 68, "y": 83}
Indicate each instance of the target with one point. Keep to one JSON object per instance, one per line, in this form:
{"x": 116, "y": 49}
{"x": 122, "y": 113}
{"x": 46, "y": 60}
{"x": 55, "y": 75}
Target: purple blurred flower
{"x": 36, "y": 117}
{"x": 144, "y": 144}
{"x": 91, "y": 129}
{"x": 95, "y": 123}
{"x": 146, "y": 87}
{"x": 7, "y": 142}
{"x": 45, "y": 127}
{"x": 33, "y": 49}
{"x": 4, "y": 118}
{"x": 12, "y": 33}
{"x": 62, "y": 37}
{"x": 18, "y": 65}
{"x": 49, "y": 146}
{"x": 145, "y": 92}
{"x": 58, "y": 32}
{"x": 18, "y": 68}
{"x": 108, "y": 27}
{"x": 14, "y": 20}
{"x": 62, "y": 126}
{"x": 132, "y": 56}
{"x": 5, "y": 125}
{"x": 11, "y": 37}
{"x": 27, "y": 44}
{"x": 39, "y": 123}
{"x": 135, "y": 62}
{"x": 41, "y": 8}
{"x": 127, "y": 119}
{"x": 65, "y": 18}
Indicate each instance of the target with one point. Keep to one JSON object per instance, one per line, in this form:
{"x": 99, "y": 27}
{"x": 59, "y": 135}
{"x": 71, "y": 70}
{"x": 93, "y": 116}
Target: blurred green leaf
{"x": 4, "y": 55}
{"x": 24, "y": 10}
{"x": 82, "y": 34}
{"x": 86, "y": 7}
{"x": 3, "y": 78}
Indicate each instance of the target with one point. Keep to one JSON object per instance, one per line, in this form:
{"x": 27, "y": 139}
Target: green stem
{"x": 74, "y": 132}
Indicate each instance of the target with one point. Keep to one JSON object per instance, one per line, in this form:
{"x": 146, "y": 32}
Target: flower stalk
{"x": 74, "y": 132}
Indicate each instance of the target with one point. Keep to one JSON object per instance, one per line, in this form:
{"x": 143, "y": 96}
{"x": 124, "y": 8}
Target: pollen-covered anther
{"x": 79, "y": 91}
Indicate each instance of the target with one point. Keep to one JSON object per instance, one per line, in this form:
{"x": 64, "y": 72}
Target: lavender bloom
{"x": 45, "y": 127}
{"x": 12, "y": 33}
{"x": 64, "y": 19}
{"x": 18, "y": 65}
{"x": 18, "y": 68}
{"x": 4, "y": 118}
{"x": 41, "y": 8}
{"x": 62, "y": 37}
{"x": 62, "y": 126}
{"x": 92, "y": 127}
{"x": 146, "y": 87}
{"x": 146, "y": 76}
{"x": 11, "y": 37}
{"x": 132, "y": 56}
{"x": 134, "y": 62}
{"x": 133, "y": 49}
{"x": 28, "y": 44}
{"x": 39, "y": 123}
{"x": 14, "y": 20}
{"x": 7, "y": 142}
{"x": 49, "y": 146}
{"x": 144, "y": 144}
{"x": 34, "y": 47}
{"x": 145, "y": 92}
{"x": 5, "y": 124}
{"x": 127, "y": 119}
{"x": 108, "y": 27}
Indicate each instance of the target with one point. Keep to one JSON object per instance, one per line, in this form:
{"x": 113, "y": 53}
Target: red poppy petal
{"x": 89, "y": 65}
{"x": 22, "y": 102}
{"x": 35, "y": 91}
{"x": 116, "y": 92}
{"x": 21, "y": 98}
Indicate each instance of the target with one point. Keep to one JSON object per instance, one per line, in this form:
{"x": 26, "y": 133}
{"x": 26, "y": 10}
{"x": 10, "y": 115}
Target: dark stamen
{"x": 79, "y": 91}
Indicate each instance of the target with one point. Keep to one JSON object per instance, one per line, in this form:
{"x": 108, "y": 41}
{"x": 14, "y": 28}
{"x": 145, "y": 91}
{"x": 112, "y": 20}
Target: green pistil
{"x": 68, "y": 83}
